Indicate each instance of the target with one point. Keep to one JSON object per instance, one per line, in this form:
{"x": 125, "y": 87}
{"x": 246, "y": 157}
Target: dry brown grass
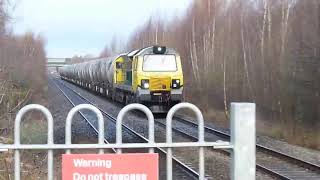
{"x": 34, "y": 164}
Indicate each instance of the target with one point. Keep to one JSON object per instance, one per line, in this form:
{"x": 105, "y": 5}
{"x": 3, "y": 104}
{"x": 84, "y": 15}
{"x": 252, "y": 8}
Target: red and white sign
{"x": 140, "y": 166}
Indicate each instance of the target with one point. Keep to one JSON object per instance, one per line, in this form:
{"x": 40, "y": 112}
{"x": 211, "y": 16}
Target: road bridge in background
{"x": 55, "y": 63}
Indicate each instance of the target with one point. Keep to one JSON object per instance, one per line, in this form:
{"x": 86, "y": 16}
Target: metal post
{"x": 120, "y": 117}
{"x": 200, "y": 137}
{"x": 18, "y": 119}
{"x": 72, "y": 112}
{"x": 243, "y": 139}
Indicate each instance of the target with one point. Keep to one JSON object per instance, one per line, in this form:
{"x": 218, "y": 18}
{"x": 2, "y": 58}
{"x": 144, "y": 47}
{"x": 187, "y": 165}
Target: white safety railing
{"x": 150, "y": 118}
{"x": 200, "y": 134}
{"x": 18, "y": 119}
{"x": 72, "y": 112}
{"x": 242, "y": 138}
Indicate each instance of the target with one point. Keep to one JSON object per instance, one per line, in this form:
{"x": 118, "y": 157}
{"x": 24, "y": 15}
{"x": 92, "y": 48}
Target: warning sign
{"x": 141, "y": 166}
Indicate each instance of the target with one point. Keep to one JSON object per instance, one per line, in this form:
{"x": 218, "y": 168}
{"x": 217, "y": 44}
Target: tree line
{"x": 22, "y": 66}
{"x": 262, "y": 51}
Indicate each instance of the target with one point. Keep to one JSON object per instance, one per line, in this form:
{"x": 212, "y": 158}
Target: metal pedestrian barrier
{"x": 242, "y": 142}
{"x": 199, "y": 117}
{"x": 76, "y": 109}
{"x": 150, "y": 118}
{"x": 18, "y": 119}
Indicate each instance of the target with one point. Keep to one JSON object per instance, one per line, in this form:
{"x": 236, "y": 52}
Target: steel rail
{"x": 187, "y": 169}
{"x": 308, "y": 164}
{"x": 226, "y": 152}
{"x": 286, "y": 157}
{"x": 83, "y": 116}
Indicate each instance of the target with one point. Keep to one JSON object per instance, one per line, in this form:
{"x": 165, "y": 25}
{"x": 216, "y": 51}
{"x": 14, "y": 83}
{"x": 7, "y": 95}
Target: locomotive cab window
{"x": 160, "y": 63}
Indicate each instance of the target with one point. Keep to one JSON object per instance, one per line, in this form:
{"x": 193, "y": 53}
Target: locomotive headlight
{"x": 175, "y": 83}
{"x": 145, "y": 84}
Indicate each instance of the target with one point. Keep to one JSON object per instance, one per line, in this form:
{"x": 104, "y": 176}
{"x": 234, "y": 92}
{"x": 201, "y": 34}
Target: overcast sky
{"x": 85, "y": 26}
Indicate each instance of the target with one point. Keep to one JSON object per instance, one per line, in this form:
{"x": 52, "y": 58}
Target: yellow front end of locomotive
{"x": 158, "y": 78}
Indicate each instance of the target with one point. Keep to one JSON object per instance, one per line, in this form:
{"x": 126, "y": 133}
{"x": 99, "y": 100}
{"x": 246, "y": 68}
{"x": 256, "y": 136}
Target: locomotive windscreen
{"x": 159, "y": 63}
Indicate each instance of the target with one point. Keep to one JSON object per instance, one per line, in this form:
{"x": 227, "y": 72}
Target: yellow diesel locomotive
{"x": 151, "y": 76}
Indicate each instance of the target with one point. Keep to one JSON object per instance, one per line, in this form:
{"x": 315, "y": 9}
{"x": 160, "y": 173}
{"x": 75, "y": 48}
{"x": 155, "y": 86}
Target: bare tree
{"x": 247, "y": 51}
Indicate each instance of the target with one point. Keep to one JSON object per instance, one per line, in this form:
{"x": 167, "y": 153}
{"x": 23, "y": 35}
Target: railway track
{"x": 283, "y": 167}
{"x": 189, "y": 173}
{"x": 216, "y": 166}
